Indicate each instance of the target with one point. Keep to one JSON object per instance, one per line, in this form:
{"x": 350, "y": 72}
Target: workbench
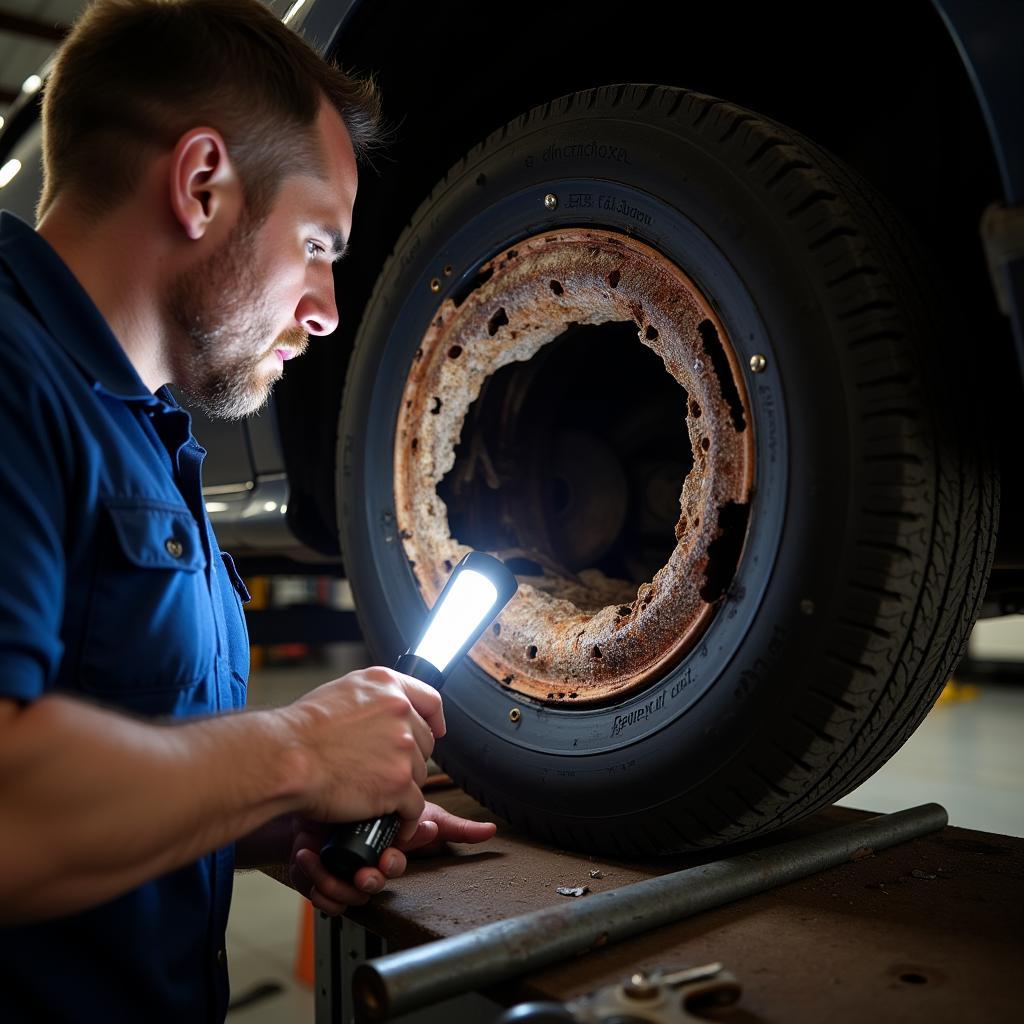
{"x": 930, "y": 930}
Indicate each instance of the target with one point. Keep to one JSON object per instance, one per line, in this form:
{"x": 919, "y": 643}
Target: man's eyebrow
{"x": 339, "y": 244}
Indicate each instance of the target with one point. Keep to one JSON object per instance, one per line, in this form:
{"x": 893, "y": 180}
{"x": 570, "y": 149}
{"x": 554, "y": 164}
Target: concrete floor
{"x": 967, "y": 755}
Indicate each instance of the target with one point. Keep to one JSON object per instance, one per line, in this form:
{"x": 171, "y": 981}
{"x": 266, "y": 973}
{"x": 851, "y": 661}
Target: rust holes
{"x": 498, "y": 320}
{"x": 724, "y": 550}
{"x": 527, "y": 452}
{"x": 460, "y": 295}
{"x": 720, "y": 364}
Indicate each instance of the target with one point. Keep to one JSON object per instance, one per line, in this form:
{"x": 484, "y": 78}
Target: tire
{"x": 872, "y": 513}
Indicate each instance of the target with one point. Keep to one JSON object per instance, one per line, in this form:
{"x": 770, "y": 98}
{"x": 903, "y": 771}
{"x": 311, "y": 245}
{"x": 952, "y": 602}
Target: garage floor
{"x": 967, "y": 756}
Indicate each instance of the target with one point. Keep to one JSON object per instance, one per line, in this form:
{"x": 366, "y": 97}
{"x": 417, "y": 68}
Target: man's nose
{"x": 317, "y": 312}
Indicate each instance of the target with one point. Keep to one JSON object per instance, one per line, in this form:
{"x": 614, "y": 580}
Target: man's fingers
{"x": 419, "y": 771}
{"x": 406, "y": 830}
{"x": 426, "y": 833}
{"x": 427, "y": 702}
{"x": 410, "y": 807}
{"x": 330, "y": 907}
{"x": 453, "y": 829}
{"x": 393, "y": 863}
{"x": 423, "y": 736}
{"x": 465, "y": 831}
{"x": 331, "y": 888}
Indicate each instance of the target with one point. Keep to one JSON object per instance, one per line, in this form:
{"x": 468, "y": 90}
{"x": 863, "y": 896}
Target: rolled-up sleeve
{"x": 34, "y": 470}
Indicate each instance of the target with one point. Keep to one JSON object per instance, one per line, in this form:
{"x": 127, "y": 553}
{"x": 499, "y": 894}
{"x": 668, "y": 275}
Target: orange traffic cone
{"x": 304, "y": 970}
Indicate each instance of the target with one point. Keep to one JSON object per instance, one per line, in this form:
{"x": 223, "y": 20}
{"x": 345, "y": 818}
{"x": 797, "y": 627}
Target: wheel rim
{"x": 623, "y": 549}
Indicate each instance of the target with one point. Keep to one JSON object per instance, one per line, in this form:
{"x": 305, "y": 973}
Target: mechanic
{"x": 200, "y": 168}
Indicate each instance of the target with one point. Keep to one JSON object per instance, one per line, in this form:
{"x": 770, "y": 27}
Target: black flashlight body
{"x": 360, "y": 845}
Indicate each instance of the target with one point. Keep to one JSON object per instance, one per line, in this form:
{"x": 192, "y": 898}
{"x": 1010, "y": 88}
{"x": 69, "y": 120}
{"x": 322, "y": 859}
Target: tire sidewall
{"x": 664, "y": 188}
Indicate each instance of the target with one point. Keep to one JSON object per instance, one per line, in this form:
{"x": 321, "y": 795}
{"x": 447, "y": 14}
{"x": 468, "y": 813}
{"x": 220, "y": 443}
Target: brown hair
{"x": 134, "y": 75}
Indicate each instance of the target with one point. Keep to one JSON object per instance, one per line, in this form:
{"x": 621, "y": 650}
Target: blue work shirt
{"x": 112, "y": 589}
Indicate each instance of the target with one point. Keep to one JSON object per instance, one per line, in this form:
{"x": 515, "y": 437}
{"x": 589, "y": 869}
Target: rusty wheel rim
{"x": 575, "y": 636}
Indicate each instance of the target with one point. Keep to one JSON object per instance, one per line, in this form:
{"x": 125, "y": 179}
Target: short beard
{"x": 216, "y": 305}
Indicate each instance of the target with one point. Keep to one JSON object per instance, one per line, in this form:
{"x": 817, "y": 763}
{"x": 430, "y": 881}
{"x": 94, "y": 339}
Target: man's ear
{"x": 203, "y": 181}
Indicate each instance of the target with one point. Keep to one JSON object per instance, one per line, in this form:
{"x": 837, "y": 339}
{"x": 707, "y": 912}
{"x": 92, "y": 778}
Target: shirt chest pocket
{"x": 150, "y": 628}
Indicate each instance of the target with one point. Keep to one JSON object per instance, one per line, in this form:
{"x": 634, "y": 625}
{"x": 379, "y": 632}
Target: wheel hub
{"x": 614, "y": 477}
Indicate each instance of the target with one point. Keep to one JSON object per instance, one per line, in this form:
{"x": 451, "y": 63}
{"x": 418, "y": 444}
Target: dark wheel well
{"x": 882, "y": 86}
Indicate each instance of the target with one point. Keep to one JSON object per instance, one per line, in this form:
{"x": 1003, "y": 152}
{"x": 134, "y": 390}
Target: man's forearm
{"x": 104, "y": 802}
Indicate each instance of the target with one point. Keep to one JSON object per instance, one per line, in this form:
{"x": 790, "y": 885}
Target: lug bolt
{"x": 550, "y": 201}
{"x": 640, "y": 986}
{"x": 435, "y": 285}
{"x": 514, "y": 715}
{"x": 758, "y": 363}
{"x": 448, "y": 270}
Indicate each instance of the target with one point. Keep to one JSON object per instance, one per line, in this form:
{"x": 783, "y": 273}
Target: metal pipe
{"x": 425, "y": 974}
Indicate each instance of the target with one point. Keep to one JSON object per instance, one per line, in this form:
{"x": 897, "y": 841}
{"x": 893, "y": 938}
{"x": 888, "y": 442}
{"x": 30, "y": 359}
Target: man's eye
{"x": 314, "y": 249}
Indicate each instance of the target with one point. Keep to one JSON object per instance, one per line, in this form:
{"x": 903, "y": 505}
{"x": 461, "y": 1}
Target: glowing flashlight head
{"x": 465, "y": 605}
{"x": 478, "y": 588}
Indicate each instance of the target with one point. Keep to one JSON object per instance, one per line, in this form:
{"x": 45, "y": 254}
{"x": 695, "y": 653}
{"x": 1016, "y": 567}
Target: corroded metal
{"x": 580, "y": 637}
{"x": 474, "y": 959}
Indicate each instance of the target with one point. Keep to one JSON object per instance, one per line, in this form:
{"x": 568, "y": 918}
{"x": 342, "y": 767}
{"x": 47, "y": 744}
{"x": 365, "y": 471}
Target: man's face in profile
{"x": 235, "y": 356}
{"x": 248, "y": 307}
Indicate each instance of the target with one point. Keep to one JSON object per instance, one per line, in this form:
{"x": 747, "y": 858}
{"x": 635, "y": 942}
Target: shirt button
{"x": 174, "y": 547}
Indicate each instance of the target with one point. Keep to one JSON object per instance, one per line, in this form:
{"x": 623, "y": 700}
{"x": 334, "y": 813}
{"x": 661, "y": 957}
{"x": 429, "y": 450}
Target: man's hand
{"x": 366, "y": 739}
{"x": 436, "y": 827}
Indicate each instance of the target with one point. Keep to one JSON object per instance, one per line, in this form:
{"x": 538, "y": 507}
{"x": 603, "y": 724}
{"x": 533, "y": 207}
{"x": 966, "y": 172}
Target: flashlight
{"x": 478, "y": 588}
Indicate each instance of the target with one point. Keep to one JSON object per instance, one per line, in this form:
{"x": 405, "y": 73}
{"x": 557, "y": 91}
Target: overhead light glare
{"x": 32, "y": 84}
{"x": 8, "y": 171}
{"x": 293, "y": 10}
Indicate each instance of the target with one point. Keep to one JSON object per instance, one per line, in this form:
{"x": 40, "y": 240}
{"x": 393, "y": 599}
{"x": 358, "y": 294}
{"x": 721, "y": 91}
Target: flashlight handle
{"x": 361, "y": 844}
{"x": 358, "y": 845}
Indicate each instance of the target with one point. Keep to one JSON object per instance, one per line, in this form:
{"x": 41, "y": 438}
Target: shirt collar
{"x": 70, "y": 315}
